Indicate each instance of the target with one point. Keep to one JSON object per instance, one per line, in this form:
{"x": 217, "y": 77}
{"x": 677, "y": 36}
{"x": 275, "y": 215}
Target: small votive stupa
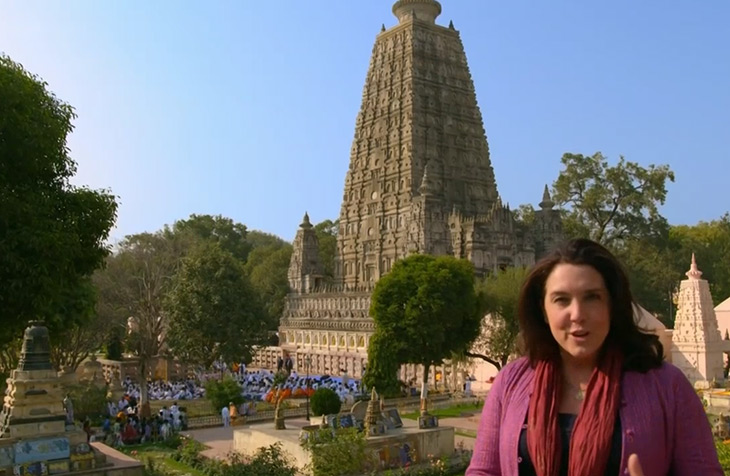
{"x": 35, "y": 436}
{"x": 698, "y": 346}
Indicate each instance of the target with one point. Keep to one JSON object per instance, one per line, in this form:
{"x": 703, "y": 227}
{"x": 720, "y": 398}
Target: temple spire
{"x": 546, "y": 203}
{"x": 426, "y": 185}
{"x": 694, "y": 272}
{"x": 305, "y": 222}
{"x": 425, "y": 10}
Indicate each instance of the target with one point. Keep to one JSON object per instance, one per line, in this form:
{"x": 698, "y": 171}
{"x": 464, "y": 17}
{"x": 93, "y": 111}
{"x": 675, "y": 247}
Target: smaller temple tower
{"x": 548, "y": 227}
{"x": 305, "y": 270}
{"x": 698, "y": 346}
{"x": 38, "y": 435}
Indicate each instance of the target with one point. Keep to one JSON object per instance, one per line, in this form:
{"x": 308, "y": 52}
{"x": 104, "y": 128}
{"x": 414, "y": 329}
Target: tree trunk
{"x": 144, "y": 400}
{"x": 424, "y": 389}
{"x": 484, "y": 358}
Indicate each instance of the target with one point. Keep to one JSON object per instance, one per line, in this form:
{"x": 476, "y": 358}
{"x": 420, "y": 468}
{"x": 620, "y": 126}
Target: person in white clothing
{"x": 226, "y": 415}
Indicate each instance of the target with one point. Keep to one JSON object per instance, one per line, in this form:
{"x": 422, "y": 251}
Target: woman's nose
{"x": 577, "y": 311}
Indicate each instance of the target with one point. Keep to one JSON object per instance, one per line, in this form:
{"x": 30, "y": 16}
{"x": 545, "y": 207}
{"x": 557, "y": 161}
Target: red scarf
{"x": 590, "y": 442}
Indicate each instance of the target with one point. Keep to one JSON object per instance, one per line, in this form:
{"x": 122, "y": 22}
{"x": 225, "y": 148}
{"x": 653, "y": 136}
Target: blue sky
{"x": 247, "y": 108}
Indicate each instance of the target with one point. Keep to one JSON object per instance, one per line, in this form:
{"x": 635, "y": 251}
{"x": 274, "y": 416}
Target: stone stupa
{"x": 698, "y": 346}
{"x": 36, "y": 436}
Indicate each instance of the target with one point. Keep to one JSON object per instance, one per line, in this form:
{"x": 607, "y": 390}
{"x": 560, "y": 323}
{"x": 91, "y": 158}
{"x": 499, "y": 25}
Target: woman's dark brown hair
{"x": 641, "y": 351}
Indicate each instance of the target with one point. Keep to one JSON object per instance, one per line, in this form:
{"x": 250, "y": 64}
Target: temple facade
{"x": 420, "y": 181}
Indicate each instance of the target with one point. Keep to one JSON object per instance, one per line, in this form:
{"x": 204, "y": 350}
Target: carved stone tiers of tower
{"x": 698, "y": 347}
{"x": 420, "y": 180}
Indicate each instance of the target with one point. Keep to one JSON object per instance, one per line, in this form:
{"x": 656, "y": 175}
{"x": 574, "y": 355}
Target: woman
{"x": 592, "y": 395}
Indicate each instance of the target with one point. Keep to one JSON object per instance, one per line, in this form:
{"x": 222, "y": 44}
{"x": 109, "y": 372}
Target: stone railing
{"x": 160, "y": 368}
{"x": 266, "y": 357}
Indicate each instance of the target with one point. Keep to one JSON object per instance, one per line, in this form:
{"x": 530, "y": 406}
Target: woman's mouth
{"x": 579, "y": 334}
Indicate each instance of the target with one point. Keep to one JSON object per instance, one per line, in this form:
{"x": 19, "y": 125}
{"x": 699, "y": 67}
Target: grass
{"x": 194, "y": 408}
{"x": 161, "y": 455}
{"x": 723, "y": 453}
{"x": 448, "y": 412}
{"x": 201, "y": 407}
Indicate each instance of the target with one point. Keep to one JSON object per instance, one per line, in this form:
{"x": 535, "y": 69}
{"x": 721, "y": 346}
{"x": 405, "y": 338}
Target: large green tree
{"x": 267, "y": 270}
{"x": 654, "y": 279}
{"x": 131, "y": 292}
{"x": 424, "y": 309}
{"x": 327, "y": 237}
{"x": 498, "y": 297}
{"x": 76, "y": 341}
{"x": 230, "y": 235}
{"x": 710, "y": 241}
{"x": 52, "y": 234}
{"x": 213, "y": 310}
{"x": 611, "y": 203}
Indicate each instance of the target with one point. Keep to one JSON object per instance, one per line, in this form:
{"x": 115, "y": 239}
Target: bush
{"x": 325, "y": 401}
{"x": 269, "y": 461}
{"x": 338, "y": 452}
{"x": 89, "y": 401}
{"x": 279, "y": 378}
{"x": 222, "y": 392}
{"x": 188, "y": 452}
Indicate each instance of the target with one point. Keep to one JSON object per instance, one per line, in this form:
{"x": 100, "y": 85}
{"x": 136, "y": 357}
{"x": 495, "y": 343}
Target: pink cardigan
{"x": 662, "y": 420}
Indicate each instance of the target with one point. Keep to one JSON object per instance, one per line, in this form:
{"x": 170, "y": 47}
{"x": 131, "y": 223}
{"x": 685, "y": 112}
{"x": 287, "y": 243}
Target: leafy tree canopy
{"x": 267, "y": 270}
{"x": 231, "y": 236}
{"x": 611, "y": 203}
{"x": 710, "y": 241}
{"x": 213, "y": 310}
{"x": 498, "y": 297}
{"x": 52, "y": 234}
{"x": 428, "y": 306}
{"x": 327, "y": 237}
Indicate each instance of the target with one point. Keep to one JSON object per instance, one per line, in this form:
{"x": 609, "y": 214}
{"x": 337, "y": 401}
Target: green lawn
{"x": 194, "y": 408}
{"x": 448, "y": 412}
{"x": 161, "y": 457}
{"x": 202, "y": 407}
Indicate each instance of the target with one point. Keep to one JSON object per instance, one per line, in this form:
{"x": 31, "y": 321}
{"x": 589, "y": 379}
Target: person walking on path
{"x": 226, "y": 415}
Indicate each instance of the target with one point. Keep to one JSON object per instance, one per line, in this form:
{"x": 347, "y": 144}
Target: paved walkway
{"x": 219, "y": 440}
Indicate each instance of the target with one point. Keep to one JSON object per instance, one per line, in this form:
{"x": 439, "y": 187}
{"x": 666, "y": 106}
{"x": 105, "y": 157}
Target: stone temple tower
{"x": 420, "y": 176}
{"x": 305, "y": 270}
{"x": 420, "y": 180}
{"x": 698, "y": 346}
{"x": 548, "y": 226}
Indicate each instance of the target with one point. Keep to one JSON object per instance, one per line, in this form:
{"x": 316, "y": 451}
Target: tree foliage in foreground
{"x": 498, "y": 297}
{"x": 52, "y": 234}
{"x": 424, "y": 309}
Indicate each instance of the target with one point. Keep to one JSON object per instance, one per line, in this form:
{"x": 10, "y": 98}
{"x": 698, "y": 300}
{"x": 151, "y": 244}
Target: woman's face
{"x": 577, "y": 309}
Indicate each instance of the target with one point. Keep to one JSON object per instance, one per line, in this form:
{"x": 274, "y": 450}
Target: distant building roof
{"x": 723, "y": 306}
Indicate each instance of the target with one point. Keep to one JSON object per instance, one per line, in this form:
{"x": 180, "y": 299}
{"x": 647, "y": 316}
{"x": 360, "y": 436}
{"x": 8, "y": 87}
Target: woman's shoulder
{"x": 516, "y": 366}
{"x": 514, "y": 372}
{"x": 668, "y": 377}
{"x": 667, "y": 372}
